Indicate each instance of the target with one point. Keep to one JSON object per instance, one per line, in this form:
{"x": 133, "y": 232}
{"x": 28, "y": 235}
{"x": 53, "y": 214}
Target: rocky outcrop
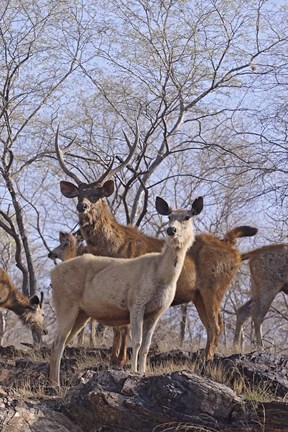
{"x": 31, "y": 416}
{"x": 102, "y": 400}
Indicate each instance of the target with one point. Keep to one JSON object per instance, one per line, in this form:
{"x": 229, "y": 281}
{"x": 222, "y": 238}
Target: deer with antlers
{"x": 210, "y": 263}
{"x": 269, "y": 276}
{"x": 145, "y": 288}
{"x": 29, "y": 310}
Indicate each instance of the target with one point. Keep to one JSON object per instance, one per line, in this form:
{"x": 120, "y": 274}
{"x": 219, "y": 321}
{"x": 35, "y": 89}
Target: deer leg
{"x": 243, "y": 313}
{"x": 149, "y": 325}
{"x": 119, "y": 349}
{"x": 183, "y": 322}
{"x": 80, "y": 322}
{"x": 92, "y": 325}
{"x": 122, "y": 356}
{"x": 116, "y": 346}
{"x": 214, "y": 325}
{"x": 136, "y": 321}
{"x": 66, "y": 321}
{"x": 200, "y": 307}
{"x": 258, "y": 314}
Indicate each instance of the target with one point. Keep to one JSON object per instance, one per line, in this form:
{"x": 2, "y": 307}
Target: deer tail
{"x": 241, "y": 231}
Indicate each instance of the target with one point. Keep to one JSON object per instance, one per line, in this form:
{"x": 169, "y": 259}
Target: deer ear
{"x": 69, "y": 190}
{"x": 197, "y": 206}
{"x": 34, "y": 300}
{"x": 62, "y": 236}
{"x": 162, "y": 207}
{"x": 108, "y": 188}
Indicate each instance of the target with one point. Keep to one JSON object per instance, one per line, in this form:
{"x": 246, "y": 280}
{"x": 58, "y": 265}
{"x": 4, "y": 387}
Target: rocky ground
{"x": 236, "y": 393}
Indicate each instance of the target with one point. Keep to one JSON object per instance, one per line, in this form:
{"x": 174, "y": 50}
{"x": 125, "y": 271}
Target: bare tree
{"x": 197, "y": 76}
{"x": 29, "y": 80}
{"x": 206, "y": 82}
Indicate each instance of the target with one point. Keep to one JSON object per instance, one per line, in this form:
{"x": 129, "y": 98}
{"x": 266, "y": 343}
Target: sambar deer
{"x": 210, "y": 263}
{"x": 269, "y": 276}
{"x": 70, "y": 246}
{"x": 136, "y": 290}
{"x": 29, "y": 310}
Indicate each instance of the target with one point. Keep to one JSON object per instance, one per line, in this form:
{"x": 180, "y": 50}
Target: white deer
{"x": 119, "y": 291}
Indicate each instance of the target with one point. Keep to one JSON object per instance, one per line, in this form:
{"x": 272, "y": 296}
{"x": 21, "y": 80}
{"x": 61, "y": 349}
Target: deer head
{"x": 68, "y": 245}
{"x": 89, "y": 194}
{"x": 35, "y": 314}
{"x": 179, "y": 220}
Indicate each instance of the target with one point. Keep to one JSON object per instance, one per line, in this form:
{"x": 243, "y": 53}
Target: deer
{"x": 29, "y": 310}
{"x": 269, "y": 275}
{"x": 70, "y": 246}
{"x": 135, "y": 291}
{"x": 210, "y": 264}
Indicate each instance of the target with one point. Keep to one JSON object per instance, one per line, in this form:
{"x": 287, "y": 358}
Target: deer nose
{"x": 50, "y": 255}
{"x": 81, "y": 207}
{"x": 171, "y": 231}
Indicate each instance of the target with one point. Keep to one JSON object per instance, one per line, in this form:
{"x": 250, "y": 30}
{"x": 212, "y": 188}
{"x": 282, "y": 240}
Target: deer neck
{"x": 21, "y": 307}
{"x": 72, "y": 252}
{"x": 101, "y": 231}
{"x": 171, "y": 261}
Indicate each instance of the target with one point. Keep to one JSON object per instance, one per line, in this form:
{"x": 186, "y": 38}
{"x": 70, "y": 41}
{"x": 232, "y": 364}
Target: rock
{"x": 17, "y": 415}
{"x": 96, "y": 399}
{"x": 116, "y": 401}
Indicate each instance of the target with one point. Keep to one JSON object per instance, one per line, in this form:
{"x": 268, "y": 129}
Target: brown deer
{"x": 29, "y": 310}
{"x": 70, "y": 246}
{"x": 208, "y": 268}
{"x": 136, "y": 290}
{"x": 269, "y": 276}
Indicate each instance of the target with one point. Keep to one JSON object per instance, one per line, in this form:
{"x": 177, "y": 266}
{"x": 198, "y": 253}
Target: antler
{"x": 59, "y": 153}
{"x": 109, "y": 173}
{"x": 41, "y": 298}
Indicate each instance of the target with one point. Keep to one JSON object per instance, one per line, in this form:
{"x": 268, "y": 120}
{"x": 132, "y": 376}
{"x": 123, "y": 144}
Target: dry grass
{"x": 183, "y": 427}
{"x": 232, "y": 378}
{"x": 35, "y": 363}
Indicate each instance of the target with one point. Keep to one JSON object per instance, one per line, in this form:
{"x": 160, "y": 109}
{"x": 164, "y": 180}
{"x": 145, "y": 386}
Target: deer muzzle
{"x": 171, "y": 231}
{"x": 82, "y": 207}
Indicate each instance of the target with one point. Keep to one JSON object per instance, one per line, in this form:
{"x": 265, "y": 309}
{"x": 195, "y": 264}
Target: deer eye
{"x": 187, "y": 217}
{"x": 94, "y": 197}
